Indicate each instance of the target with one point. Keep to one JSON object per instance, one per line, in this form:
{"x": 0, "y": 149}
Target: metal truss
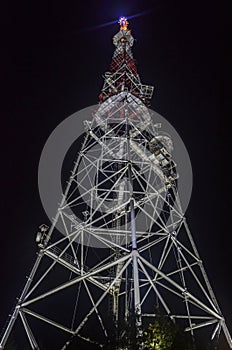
{"x": 125, "y": 240}
{"x": 119, "y": 245}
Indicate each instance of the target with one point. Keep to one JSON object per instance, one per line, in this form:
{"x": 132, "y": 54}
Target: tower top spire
{"x": 123, "y": 23}
{"x": 122, "y": 76}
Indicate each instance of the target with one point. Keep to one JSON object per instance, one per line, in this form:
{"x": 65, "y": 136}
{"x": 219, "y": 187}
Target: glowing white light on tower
{"x": 123, "y": 23}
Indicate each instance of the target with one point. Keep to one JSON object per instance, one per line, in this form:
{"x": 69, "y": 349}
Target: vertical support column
{"x": 137, "y": 301}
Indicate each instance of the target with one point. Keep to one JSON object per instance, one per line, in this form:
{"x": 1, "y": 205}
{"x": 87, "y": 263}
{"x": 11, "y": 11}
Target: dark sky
{"x": 53, "y": 58}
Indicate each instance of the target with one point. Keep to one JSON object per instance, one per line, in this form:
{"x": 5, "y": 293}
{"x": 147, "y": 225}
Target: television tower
{"x": 119, "y": 247}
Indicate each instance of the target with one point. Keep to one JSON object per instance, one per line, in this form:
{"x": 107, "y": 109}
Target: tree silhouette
{"x": 163, "y": 334}
{"x": 160, "y": 334}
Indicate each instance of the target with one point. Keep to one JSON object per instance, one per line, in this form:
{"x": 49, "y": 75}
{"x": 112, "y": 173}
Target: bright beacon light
{"x": 123, "y": 23}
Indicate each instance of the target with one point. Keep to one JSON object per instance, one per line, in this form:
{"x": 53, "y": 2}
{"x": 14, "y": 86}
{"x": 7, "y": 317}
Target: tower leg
{"x": 20, "y": 300}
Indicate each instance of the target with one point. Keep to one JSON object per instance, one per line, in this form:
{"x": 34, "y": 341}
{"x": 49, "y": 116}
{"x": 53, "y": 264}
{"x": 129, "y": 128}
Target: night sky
{"x": 53, "y": 57}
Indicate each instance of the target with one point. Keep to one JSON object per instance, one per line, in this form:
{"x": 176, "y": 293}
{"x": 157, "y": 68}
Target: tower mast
{"x": 120, "y": 235}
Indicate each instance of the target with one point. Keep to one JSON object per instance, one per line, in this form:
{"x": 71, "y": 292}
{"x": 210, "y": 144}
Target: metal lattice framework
{"x": 123, "y": 243}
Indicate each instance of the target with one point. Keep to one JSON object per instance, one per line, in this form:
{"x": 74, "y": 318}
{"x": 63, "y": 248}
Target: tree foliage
{"x": 163, "y": 334}
{"x": 159, "y": 336}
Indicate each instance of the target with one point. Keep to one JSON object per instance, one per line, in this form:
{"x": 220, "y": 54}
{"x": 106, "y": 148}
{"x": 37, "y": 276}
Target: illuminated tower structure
{"x": 119, "y": 248}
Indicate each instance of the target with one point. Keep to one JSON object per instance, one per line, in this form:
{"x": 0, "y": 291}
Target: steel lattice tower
{"x": 126, "y": 245}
